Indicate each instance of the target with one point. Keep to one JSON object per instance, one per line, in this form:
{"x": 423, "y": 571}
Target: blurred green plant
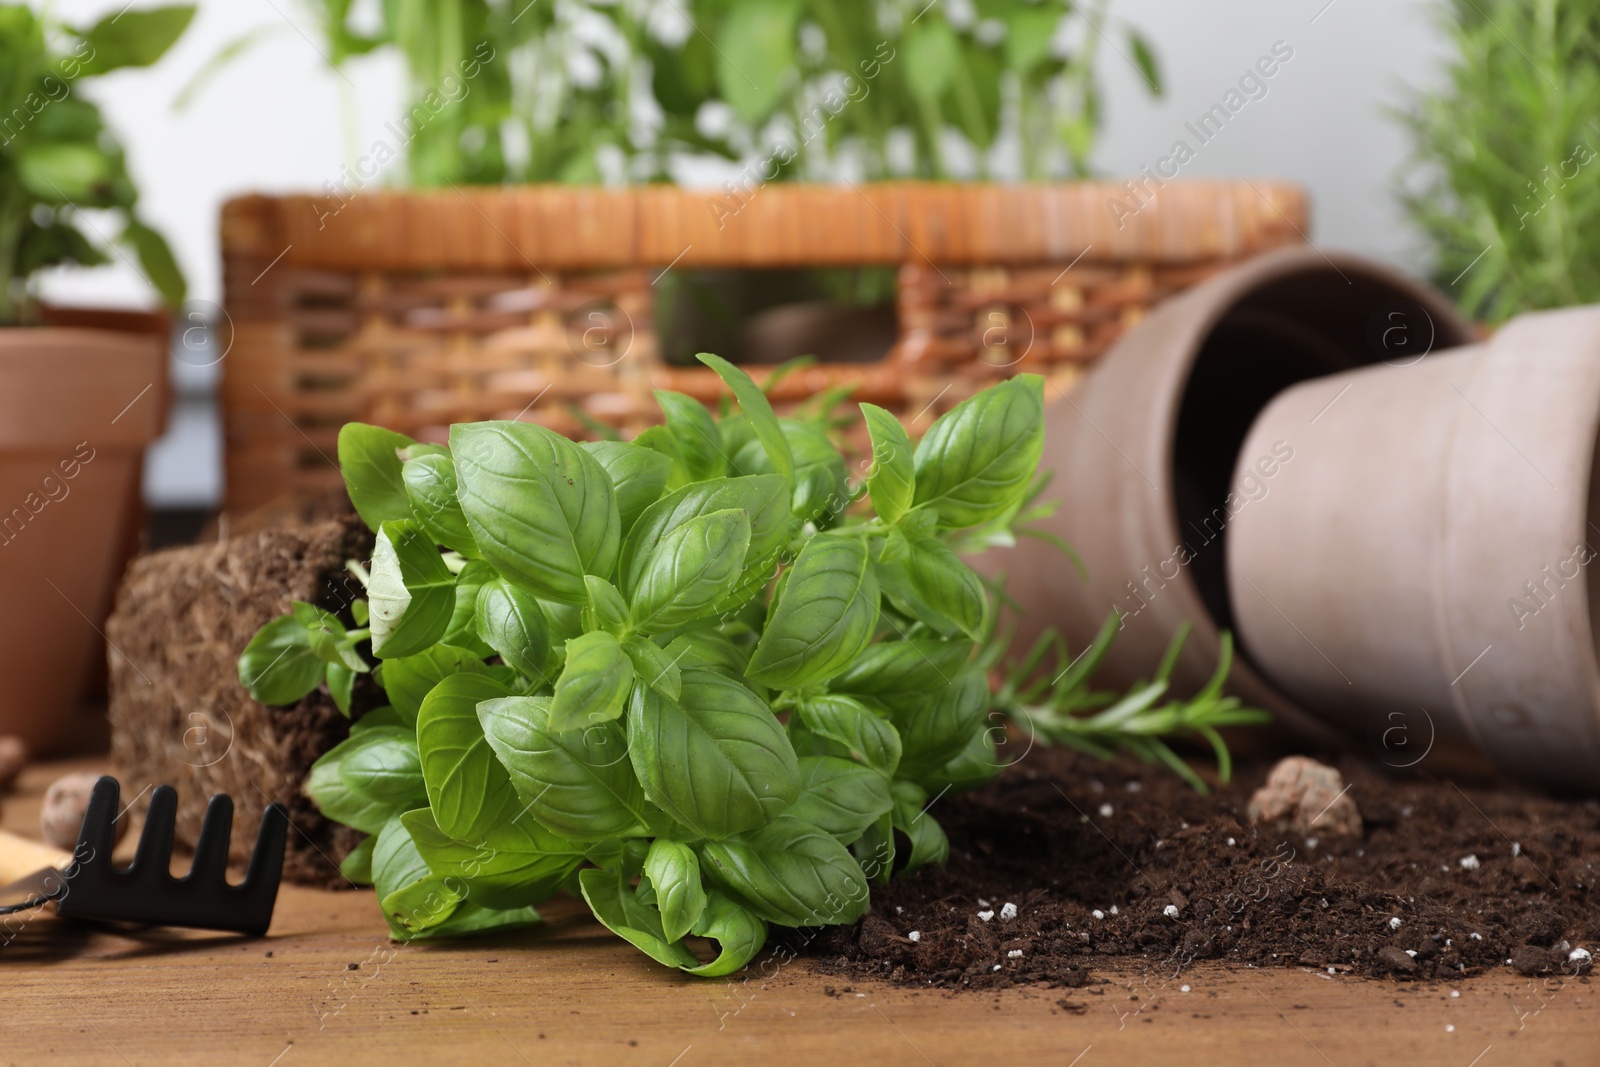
{"x": 1500, "y": 181}
{"x": 57, "y": 159}
{"x": 583, "y": 91}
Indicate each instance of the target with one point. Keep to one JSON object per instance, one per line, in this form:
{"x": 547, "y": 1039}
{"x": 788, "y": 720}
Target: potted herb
{"x": 81, "y": 392}
{"x": 702, "y": 679}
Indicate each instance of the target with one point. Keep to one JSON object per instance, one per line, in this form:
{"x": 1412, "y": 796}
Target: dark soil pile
{"x": 1124, "y": 861}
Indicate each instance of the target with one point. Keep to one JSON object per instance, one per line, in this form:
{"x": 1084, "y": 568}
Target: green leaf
{"x": 1145, "y": 57}
{"x": 739, "y": 934}
{"x": 411, "y": 593}
{"x": 935, "y": 580}
{"x": 902, "y": 668}
{"x": 337, "y": 799}
{"x": 699, "y": 442}
{"x": 758, "y": 411}
{"x": 278, "y": 666}
{"x": 157, "y": 262}
{"x": 869, "y": 736}
{"x": 341, "y": 686}
{"x": 839, "y": 796}
{"x": 932, "y": 57}
{"x": 383, "y": 763}
{"x": 370, "y": 462}
{"x": 716, "y": 759}
{"x": 789, "y": 872}
{"x": 511, "y": 622}
{"x": 134, "y": 38}
{"x": 469, "y": 791}
{"x": 691, "y": 571}
{"x": 619, "y": 910}
{"x": 638, "y": 476}
{"x": 912, "y": 818}
{"x": 654, "y": 666}
{"x": 577, "y": 784}
{"x": 410, "y": 679}
{"x": 1029, "y": 34}
{"x": 430, "y": 482}
{"x": 765, "y": 498}
{"x": 412, "y": 897}
{"x": 541, "y": 509}
{"x": 978, "y": 459}
{"x": 932, "y": 732}
{"x": 517, "y": 864}
{"x": 329, "y": 640}
{"x": 824, "y": 617}
{"x": 892, "y": 478}
{"x": 357, "y": 864}
{"x": 605, "y": 609}
{"x": 756, "y": 56}
{"x": 593, "y": 686}
{"x": 710, "y": 650}
{"x": 462, "y": 630}
{"x": 674, "y": 873}
{"x": 820, "y": 479}
{"x": 60, "y": 172}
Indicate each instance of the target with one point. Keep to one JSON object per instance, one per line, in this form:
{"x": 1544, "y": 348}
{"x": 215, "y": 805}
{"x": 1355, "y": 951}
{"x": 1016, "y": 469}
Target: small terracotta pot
{"x": 1427, "y": 553}
{"x": 77, "y": 408}
{"x": 1142, "y": 453}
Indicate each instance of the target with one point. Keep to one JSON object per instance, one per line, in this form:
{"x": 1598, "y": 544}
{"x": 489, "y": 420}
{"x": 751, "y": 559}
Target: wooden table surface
{"x": 327, "y": 986}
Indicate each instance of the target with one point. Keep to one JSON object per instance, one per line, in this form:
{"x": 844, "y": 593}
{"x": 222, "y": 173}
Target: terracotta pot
{"x": 77, "y": 408}
{"x": 1143, "y": 450}
{"x": 1430, "y": 544}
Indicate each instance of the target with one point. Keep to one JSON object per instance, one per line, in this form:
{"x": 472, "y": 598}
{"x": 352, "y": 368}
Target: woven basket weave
{"x": 416, "y": 310}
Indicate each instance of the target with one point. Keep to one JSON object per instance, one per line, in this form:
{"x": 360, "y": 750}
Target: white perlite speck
{"x": 1106, "y": 810}
{"x": 1470, "y": 863}
{"x": 1170, "y": 911}
{"x": 986, "y": 915}
{"x": 1183, "y": 989}
{"x": 1580, "y": 955}
{"x": 1516, "y": 849}
{"x": 1477, "y": 937}
{"x": 1113, "y": 909}
{"x": 915, "y": 935}
{"x": 1008, "y": 911}
{"x": 1231, "y": 842}
{"x": 1394, "y": 923}
{"x": 1449, "y": 1028}
{"x": 1098, "y": 914}
{"x": 1014, "y": 954}
{"x": 1455, "y": 993}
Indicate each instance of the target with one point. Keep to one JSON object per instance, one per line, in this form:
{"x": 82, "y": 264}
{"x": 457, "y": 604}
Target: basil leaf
{"x": 578, "y": 784}
{"x": 765, "y": 498}
{"x": 383, "y": 763}
{"x": 620, "y": 911}
{"x": 334, "y": 797}
{"x": 932, "y": 733}
{"x": 939, "y": 583}
{"x": 892, "y": 479}
{"x": 384, "y": 716}
{"x": 638, "y": 476}
{"x": 329, "y": 640}
{"x": 867, "y": 735}
{"x": 738, "y": 932}
{"x": 462, "y": 630}
{"x": 605, "y": 610}
{"x": 789, "y": 872}
{"x": 468, "y": 790}
{"x": 895, "y": 546}
{"x": 974, "y": 765}
{"x": 356, "y": 867}
{"x": 431, "y": 487}
{"x": 820, "y": 493}
{"x": 699, "y": 441}
{"x": 593, "y": 685}
{"x": 900, "y": 668}
{"x": 763, "y": 423}
{"x": 540, "y": 508}
{"x": 411, "y": 678}
{"x": 824, "y": 617}
{"x": 470, "y": 918}
{"x": 412, "y": 897}
{"x": 692, "y": 569}
{"x": 516, "y": 865}
{"x": 278, "y": 666}
{"x": 674, "y": 874}
{"x": 654, "y": 666}
{"x": 511, "y": 622}
{"x": 370, "y": 464}
{"x": 341, "y": 686}
{"x": 840, "y": 797}
{"x": 411, "y": 594}
{"x": 716, "y": 759}
{"x": 978, "y": 459}
{"x": 928, "y": 841}
{"x": 874, "y": 850}
{"x": 710, "y": 650}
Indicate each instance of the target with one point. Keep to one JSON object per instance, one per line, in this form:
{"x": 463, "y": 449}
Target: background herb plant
{"x": 699, "y": 679}
{"x": 58, "y": 160}
{"x": 1502, "y": 182}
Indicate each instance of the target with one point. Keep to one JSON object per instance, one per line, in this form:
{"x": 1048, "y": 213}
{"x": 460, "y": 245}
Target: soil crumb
{"x": 1065, "y": 861}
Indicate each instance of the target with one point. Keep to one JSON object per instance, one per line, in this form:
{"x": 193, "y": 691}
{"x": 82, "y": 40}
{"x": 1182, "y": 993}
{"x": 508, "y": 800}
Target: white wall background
{"x": 278, "y": 120}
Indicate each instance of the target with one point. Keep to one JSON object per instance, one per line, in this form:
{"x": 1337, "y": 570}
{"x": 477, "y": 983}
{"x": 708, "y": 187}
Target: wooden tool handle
{"x": 20, "y": 857}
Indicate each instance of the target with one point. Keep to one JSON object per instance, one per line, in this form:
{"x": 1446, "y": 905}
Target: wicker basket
{"x": 416, "y": 310}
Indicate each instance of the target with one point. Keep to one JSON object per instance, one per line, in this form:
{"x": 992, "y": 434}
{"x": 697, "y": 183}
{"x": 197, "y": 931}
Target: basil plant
{"x": 700, "y": 679}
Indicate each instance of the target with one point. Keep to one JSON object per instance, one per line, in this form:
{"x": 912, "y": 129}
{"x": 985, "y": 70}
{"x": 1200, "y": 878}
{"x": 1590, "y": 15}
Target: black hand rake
{"x": 87, "y": 885}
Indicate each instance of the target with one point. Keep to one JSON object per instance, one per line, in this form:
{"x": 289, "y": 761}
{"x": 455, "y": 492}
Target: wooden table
{"x": 327, "y": 986}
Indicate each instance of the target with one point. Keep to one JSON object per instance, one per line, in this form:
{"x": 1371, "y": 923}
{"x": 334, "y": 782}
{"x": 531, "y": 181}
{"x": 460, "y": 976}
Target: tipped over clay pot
{"x": 1428, "y": 554}
{"x": 1144, "y": 449}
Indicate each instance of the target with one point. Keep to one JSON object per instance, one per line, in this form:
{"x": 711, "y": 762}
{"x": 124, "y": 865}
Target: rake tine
{"x": 266, "y": 862}
{"x": 155, "y": 843}
{"x": 211, "y": 850}
{"x": 98, "y": 832}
